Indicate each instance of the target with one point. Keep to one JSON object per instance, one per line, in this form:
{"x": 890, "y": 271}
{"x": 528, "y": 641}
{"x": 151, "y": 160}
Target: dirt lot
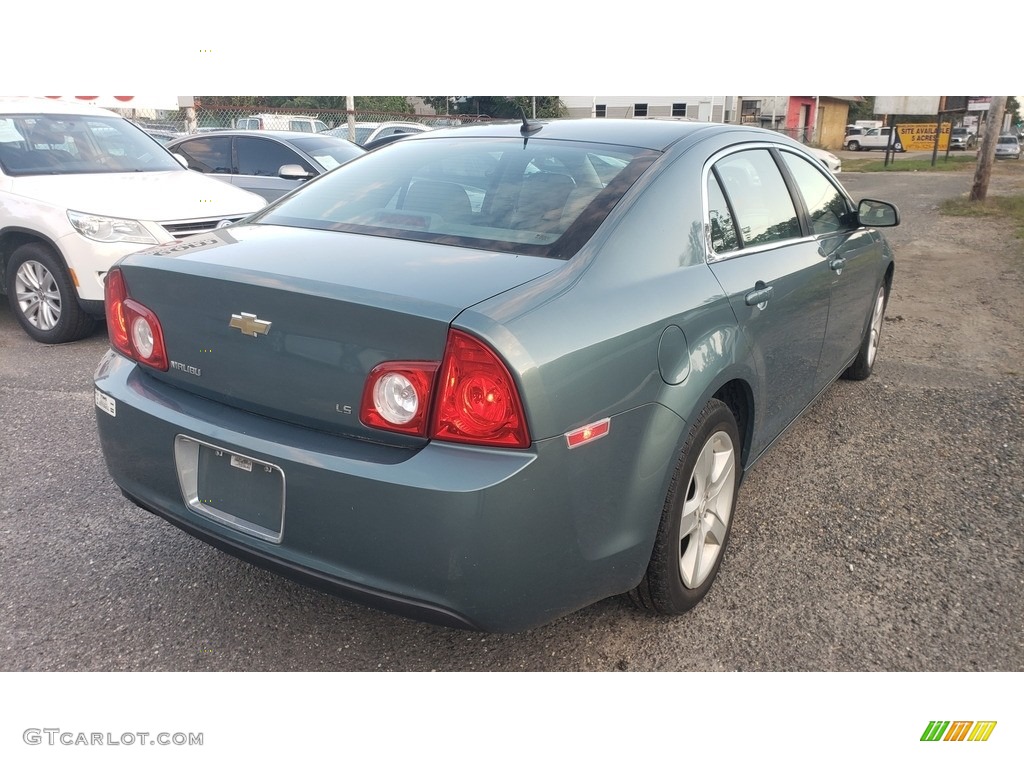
{"x": 883, "y": 532}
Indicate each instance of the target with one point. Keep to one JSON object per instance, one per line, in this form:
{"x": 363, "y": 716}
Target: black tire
{"x": 853, "y": 146}
{"x": 43, "y": 298}
{"x": 681, "y": 570}
{"x": 864, "y": 363}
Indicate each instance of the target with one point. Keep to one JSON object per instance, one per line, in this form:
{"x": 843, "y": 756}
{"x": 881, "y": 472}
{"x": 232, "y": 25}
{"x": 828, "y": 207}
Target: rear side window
{"x": 723, "y": 231}
{"x": 209, "y": 154}
{"x": 762, "y": 209}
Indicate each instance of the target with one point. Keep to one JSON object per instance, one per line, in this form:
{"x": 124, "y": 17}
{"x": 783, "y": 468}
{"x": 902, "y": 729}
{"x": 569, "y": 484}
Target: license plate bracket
{"x": 242, "y": 492}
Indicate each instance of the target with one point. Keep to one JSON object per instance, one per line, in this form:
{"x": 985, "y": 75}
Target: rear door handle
{"x": 759, "y": 296}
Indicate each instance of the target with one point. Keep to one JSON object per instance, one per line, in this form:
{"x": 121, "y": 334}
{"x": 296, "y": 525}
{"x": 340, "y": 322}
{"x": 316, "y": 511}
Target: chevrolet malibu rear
{"x": 451, "y": 379}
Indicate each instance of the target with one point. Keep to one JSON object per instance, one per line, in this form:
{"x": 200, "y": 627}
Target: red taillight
{"x": 477, "y": 400}
{"x": 133, "y": 328}
{"x": 472, "y": 399}
{"x": 397, "y": 397}
{"x": 115, "y": 292}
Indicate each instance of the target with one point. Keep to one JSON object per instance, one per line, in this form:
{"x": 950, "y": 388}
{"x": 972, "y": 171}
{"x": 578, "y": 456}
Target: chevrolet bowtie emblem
{"x": 249, "y": 324}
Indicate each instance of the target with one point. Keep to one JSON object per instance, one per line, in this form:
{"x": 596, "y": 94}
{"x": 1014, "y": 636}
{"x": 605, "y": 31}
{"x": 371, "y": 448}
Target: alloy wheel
{"x": 706, "y": 510}
{"x": 38, "y": 295}
{"x": 876, "y": 326}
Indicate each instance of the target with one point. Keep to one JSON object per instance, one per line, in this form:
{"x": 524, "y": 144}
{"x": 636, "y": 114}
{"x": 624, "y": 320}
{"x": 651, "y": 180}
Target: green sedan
{"x": 489, "y": 375}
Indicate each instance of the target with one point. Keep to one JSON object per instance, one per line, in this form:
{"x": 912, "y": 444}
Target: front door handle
{"x": 759, "y": 296}
{"x": 837, "y": 264}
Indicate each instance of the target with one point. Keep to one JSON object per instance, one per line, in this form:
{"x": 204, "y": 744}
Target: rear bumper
{"x": 492, "y": 540}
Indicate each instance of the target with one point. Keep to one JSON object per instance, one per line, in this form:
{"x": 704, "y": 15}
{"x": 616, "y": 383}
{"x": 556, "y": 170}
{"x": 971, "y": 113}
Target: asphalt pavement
{"x": 883, "y": 532}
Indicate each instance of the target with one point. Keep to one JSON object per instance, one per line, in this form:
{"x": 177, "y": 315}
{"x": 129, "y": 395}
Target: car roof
{"x": 24, "y": 105}
{"x": 387, "y": 124}
{"x": 647, "y": 133}
{"x": 283, "y": 135}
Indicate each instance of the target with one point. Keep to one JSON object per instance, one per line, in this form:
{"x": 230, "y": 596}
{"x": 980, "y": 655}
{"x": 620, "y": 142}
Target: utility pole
{"x": 987, "y": 153}
{"x": 350, "y": 108}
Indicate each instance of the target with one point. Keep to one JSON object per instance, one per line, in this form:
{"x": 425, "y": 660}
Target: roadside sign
{"x": 921, "y": 136}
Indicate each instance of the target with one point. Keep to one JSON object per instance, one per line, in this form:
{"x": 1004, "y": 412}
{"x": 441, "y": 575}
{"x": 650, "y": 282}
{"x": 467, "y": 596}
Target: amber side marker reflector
{"x": 588, "y": 434}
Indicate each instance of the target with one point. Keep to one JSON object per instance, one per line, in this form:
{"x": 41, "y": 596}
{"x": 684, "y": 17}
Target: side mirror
{"x": 181, "y": 159}
{"x": 294, "y": 172}
{"x": 876, "y": 213}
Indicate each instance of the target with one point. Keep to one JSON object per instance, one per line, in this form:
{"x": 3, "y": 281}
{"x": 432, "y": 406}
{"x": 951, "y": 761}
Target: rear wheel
{"x": 697, "y": 516}
{"x": 43, "y": 297}
{"x": 861, "y": 367}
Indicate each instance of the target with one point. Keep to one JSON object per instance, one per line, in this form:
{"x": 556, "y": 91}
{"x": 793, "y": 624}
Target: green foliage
{"x": 396, "y": 104}
{"x": 862, "y": 110}
{"x": 497, "y": 106}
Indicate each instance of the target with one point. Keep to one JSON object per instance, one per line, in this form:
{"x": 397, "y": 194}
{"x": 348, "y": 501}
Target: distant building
{"x": 819, "y": 120}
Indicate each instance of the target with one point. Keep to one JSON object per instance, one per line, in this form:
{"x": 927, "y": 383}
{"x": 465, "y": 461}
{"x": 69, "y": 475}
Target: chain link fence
{"x": 203, "y": 119}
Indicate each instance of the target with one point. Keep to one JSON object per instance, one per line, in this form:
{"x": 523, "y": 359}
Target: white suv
{"x": 80, "y": 187}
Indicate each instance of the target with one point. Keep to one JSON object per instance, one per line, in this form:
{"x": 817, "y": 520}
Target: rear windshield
{"x": 542, "y": 198}
{"x": 32, "y": 145}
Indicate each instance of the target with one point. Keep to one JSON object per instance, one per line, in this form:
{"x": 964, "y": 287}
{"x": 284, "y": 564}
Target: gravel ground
{"x": 883, "y": 532}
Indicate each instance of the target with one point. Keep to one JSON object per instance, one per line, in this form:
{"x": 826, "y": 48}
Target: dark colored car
{"x": 495, "y": 373}
{"x": 269, "y": 163}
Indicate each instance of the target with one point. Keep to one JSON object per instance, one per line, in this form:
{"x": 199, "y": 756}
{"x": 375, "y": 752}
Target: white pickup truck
{"x": 876, "y": 138}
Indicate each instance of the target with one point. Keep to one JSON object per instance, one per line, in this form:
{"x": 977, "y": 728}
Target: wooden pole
{"x": 987, "y": 153}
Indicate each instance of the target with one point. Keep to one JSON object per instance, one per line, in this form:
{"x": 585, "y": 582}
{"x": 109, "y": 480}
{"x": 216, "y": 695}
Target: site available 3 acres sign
{"x": 921, "y": 136}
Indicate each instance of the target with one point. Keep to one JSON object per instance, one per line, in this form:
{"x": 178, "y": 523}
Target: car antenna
{"x": 527, "y": 127}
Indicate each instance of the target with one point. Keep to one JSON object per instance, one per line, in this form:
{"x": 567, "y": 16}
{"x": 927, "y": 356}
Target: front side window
{"x": 264, "y": 157}
{"x": 762, "y": 208}
{"x": 544, "y": 198}
{"x": 826, "y": 205}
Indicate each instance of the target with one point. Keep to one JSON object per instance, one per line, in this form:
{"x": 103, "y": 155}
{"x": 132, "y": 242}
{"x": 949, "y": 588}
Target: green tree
{"x": 862, "y": 110}
{"x": 497, "y": 106}
{"x": 396, "y": 104}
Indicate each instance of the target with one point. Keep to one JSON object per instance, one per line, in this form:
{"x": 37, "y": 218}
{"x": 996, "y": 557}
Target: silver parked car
{"x": 961, "y": 138}
{"x": 269, "y": 163}
{"x": 1008, "y": 146}
{"x": 367, "y": 132}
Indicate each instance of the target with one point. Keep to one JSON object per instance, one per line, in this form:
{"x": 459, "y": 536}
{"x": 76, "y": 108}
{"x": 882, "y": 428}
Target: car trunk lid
{"x": 288, "y": 323}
